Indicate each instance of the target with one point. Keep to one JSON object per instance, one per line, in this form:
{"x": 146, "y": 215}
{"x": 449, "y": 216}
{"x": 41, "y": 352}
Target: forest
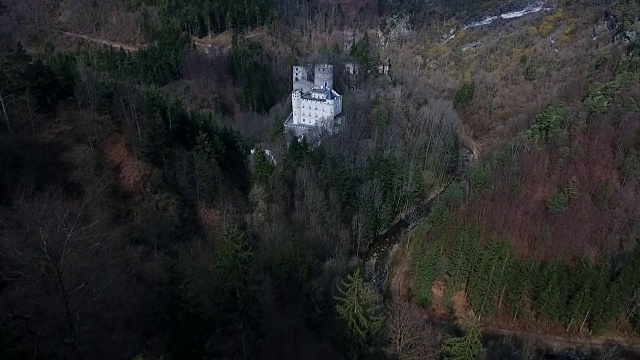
{"x": 152, "y": 205}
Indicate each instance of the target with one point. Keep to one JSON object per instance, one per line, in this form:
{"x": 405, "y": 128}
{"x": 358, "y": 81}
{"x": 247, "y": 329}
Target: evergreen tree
{"x": 263, "y": 167}
{"x": 207, "y": 170}
{"x": 552, "y": 290}
{"x": 486, "y": 283}
{"x": 518, "y": 285}
{"x": 467, "y": 347}
{"x": 601, "y": 288}
{"x": 580, "y": 300}
{"x": 359, "y": 310}
{"x": 426, "y": 270}
{"x": 237, "y": 288}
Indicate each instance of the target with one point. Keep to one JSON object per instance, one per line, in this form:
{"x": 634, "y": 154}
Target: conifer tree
{"x": 207, "y": 170}
{"x": 552, "y": 290}
{"x": 580, "y": 300}
{"x": 518, "y": 284}
{"x": 360, "y": 312}
{"x": 426, "y": 270}
{"x": 467, "y": 347}
{"x": 486, "y": 282}
{"x": 600, "y": 292}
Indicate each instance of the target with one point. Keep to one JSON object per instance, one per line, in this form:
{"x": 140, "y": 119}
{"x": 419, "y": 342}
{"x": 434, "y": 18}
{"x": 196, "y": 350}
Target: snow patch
{"x": 529, "y": 9}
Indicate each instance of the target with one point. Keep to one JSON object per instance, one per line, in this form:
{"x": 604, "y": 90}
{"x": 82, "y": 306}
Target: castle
{"x": 314, "y": 103}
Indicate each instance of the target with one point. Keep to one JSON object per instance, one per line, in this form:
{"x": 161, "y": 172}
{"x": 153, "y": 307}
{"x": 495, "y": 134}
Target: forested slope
{"x": 542, "y": 233}
{"x": 135, "y": 223}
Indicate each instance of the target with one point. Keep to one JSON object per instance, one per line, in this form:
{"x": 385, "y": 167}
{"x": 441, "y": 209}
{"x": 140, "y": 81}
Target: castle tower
{"x": 323, "y": 76}
{"x": 296, "y": 100}
{"x": 300, "y": 78}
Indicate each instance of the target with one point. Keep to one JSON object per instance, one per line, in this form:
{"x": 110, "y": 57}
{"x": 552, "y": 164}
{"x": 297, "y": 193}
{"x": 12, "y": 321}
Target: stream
{"x": 377, "y": 259}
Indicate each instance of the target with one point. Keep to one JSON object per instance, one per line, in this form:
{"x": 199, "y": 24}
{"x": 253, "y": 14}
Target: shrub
{"x": 549, "y": 122}
{"x": 571, "y": 189}
{"x": 549, "y": 22}
{"x": 464, "y": 95}
{"x": 557, "y": 202}
{"x": 602, "y": 195}
{"x": 479, "y": 176}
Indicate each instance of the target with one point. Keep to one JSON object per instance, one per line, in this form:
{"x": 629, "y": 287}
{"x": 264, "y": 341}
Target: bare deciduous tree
{"x": 61, "y": 264}
{"x": 409, "y": 336}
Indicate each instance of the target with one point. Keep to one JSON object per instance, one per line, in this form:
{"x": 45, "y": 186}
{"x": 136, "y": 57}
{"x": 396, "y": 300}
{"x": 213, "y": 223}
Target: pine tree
{"x": 467, "y": 347}
{"x": 460, "y": 258}
{"x": 360, "y": 312}
{"x": 580, "y": 301}
{"x": 600, "y": 292}
{"x": 552, "y": 290}
{"x": 486, "y": 282}
{"x": 207, "y": 170}
{"x": 426, "y": 270}
{"x": 518, "y": 284}
{"x": 504, "y": 259}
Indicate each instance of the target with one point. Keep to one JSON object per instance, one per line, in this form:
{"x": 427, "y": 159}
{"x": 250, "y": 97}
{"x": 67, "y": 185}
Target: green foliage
{"x": 363, "y": 54}
{"x": 580, "y": 294}
{"x": 552, "y": 290}
{"x": 631, "y": 165}
{"x": 467, "y": 347}
{"x": 480, "y": 176}
{"x": 572, "y": 188}
{"x": 207, "y": 170}
{"x": 360, "y": 312}
{"x": 453, "y": 195}
{"x": 487, "y": 280}
{"x": 170, "y": 127}
{"x": 557, "y": 202}
{"x": 628, "y": 11}
{"x": 530, "y": 69}
{"x": 25, "y": 82}
{"x": 263, "y": 167}
{"x": 559, "y": 199}
{"x": 602, "y": 94}
{"x": 552, "y": 121}
{"x": 425, "y": 270}
{"x": 387, "y": 171}
{"x": 518, "y": 285}
{"x": 379, "y": 115}
{"x": 250, "y": 66}
{"x": 464, "y": 95}
{"x": 602, "y": 194}
{"x": 205, "y": 17}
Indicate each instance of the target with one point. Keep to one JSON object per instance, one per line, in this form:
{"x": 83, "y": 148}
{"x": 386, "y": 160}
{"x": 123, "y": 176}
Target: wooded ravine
{"x": 153, "y": 205}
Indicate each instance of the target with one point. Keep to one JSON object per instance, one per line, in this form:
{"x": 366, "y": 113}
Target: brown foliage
{"x": 515, "y": 204}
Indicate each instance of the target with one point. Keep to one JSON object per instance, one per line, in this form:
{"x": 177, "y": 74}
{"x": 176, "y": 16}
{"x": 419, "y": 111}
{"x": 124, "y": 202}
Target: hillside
{"x": 140, "y": 217}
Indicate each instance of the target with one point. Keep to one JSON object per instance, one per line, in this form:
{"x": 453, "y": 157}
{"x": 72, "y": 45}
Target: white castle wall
{"x": 309, "y": 101}
{"x": 323, "y": 76}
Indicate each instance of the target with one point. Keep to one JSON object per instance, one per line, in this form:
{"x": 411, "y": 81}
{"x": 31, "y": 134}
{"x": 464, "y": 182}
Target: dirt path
{"x": 130, "y": 48}
{"x": 397, "y": 280}
{"x": 563, "y": 342}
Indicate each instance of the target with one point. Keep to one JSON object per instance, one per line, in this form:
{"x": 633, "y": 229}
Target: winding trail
{"x": 129, "y": 48}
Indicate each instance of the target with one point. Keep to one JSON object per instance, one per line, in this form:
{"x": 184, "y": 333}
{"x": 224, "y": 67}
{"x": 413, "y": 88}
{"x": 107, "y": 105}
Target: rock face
{"x": 618, "y": 31}
{"x": 395, "y": 27}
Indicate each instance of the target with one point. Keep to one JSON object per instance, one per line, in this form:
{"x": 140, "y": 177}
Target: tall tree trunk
{"x": 4, "y": 111}
{"x": 584, "y": 320}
